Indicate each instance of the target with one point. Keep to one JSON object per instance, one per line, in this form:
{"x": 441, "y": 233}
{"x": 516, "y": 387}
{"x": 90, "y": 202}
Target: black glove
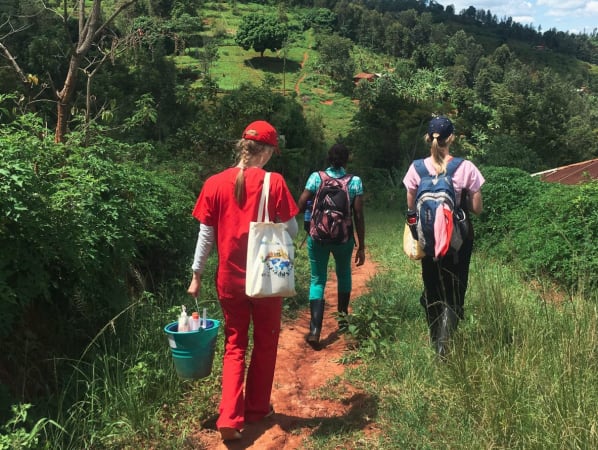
{"x": 411, "y": 218}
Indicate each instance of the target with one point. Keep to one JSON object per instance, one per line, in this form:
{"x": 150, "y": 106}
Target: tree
{"x": 322, "y": 20}
{"x": 261, "y": 33}
{"x": 91, "y": 30}
{"x": 207, "y": 56}
{"x": 506, "y": 151}
{"x": 335, "y": 57}
{"x": 370, "y": 32}
{"x": 466, "y": 51}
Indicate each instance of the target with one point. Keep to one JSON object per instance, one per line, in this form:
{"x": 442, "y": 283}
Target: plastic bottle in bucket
{"x": 183, "y": 324}
{"x": 194, "y": 321}
{"x": 193, "y": 351}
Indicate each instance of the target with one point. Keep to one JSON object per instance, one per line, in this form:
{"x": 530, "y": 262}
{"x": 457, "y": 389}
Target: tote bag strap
{"x": 262, "y": 212}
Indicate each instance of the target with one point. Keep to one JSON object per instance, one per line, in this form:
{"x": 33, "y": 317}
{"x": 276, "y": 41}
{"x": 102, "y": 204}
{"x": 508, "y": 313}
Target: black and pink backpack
{"x": 331, "y": 220}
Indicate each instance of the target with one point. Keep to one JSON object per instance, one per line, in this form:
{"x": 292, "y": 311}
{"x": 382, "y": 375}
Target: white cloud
{"x": 592, "y": 8}
{"x": 499, "y": 8}
{"x": 562, "y": 4}
{"x": 559, "y": 13}
{"x": 570, "y": 8}
{"x": 566, "y": 15}
{"x": 523, "y": 19}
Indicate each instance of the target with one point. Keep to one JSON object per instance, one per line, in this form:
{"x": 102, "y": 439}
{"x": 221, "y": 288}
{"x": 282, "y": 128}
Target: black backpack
{"x": 331, "y": 220}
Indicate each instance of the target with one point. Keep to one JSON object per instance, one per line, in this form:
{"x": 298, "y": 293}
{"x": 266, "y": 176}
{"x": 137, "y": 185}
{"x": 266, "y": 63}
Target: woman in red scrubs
{"x": 227, "y": 203}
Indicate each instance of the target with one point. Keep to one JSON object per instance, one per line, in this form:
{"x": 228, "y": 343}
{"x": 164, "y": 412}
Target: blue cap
{"x": 441, "y": 125}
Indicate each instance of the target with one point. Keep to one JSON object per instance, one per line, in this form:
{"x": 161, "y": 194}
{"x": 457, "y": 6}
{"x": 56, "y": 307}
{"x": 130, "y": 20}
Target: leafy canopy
{"x": 261, "y": 32}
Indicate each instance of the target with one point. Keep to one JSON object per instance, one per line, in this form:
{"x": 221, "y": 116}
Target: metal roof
{"x": 581, "y": 172}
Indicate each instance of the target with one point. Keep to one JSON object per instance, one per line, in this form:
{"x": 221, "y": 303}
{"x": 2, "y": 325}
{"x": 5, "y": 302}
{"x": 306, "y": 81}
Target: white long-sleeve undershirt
{"x": 292, "y": 227}
{"x": 203, "y": 247}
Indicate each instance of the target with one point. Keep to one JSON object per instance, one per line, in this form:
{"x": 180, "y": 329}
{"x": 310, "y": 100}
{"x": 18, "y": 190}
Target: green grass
{"x": 521, "y": 373}
{"x": 236, "y": 66}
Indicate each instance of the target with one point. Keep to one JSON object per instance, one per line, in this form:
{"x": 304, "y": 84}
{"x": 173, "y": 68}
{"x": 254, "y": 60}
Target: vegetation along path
{"x": 300, "y": 381}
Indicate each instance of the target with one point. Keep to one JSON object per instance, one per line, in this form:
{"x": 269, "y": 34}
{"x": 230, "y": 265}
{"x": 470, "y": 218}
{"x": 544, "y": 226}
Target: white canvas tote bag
{"x": 270, "y": 270}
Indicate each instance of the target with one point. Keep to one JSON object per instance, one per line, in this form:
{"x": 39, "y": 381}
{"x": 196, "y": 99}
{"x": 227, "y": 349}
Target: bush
{"x": 82, "y": 229}
{"x": 548, "y": 229}
{"x": 507, "y": 151}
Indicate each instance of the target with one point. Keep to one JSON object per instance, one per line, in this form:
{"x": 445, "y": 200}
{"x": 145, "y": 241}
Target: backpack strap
{"x": 323, "y": 177}
{"x": 420, "y": 167}
{"x": 452, "y": 165}
{"x": 349, "y": 178}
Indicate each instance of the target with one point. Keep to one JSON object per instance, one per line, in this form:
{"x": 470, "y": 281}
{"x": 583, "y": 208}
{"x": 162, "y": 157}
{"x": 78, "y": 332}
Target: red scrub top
{"x": 217, "y": 207}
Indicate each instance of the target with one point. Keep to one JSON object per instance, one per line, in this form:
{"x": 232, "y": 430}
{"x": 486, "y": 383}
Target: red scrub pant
{"x": 251, "y": 404}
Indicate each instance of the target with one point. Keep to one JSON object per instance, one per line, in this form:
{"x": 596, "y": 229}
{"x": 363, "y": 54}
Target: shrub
{"x": 82, "y": 228}
{"x": 548, "y": 229}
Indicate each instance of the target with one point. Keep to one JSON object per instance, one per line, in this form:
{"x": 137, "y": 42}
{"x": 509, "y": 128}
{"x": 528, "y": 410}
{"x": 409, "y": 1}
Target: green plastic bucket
{"x": 193, "y": 351}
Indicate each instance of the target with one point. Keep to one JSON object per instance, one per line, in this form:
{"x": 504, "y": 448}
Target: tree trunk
{"x": 90, "y": 29}
{"x": 65, "y": 96}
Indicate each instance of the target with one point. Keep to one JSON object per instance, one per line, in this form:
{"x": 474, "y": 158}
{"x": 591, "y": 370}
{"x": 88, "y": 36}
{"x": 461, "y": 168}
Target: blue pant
{"x": 319, "y": 255}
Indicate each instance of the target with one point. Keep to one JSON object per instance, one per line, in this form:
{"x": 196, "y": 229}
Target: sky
{"x": 574, "y": 16}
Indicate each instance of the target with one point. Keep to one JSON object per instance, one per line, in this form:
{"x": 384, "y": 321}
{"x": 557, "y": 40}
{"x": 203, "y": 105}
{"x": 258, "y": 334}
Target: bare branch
{"x": 14, "y": 63}
{"x": 82, "y": 16}
{"x": 114, "y": 14}
{"x": 12, "y": 30}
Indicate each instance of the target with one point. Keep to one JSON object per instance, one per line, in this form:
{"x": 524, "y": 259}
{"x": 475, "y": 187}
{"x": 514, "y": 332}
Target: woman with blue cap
{"x": 445, "y": 278}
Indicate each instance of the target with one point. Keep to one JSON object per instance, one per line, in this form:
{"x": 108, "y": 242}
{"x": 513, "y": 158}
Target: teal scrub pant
{"x": 319, "y": 255}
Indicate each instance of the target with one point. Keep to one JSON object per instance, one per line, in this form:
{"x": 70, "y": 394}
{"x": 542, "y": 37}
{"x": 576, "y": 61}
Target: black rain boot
{"x": 448, "y": 322}
{"x": 343, "y": 310}
{"x": 316, "y": 308}
{"x": 433, "y": 312}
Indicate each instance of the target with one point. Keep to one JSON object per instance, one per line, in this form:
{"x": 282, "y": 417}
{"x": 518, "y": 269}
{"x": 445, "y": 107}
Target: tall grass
{"x": 124, "y": 391}
{"x": 521, "y": 373}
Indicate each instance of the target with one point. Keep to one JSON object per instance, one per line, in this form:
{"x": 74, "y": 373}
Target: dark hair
{"x": 338, "y": 155}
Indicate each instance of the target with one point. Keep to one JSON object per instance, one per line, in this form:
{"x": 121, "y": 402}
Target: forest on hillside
{"x": 112, "y": 114}
{"x": 519, "y": 96}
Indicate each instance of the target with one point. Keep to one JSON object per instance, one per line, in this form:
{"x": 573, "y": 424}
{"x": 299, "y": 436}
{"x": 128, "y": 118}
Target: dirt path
{"x": 298, "y": 83}
{"x": 301, "y": 370}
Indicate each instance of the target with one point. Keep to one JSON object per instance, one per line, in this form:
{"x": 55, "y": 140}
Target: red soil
{"x": 300, "y": 372}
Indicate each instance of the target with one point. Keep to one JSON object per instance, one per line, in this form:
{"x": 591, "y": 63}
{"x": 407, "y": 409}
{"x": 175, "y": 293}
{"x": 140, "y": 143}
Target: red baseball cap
{"x": 262, "y": 131}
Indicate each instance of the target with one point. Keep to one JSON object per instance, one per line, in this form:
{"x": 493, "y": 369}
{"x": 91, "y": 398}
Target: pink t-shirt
{"x": 217, "y": 207}
{"x": 467, "y": 176}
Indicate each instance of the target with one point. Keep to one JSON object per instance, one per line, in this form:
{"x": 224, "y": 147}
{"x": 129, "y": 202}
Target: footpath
{"x": 302, "y": 374}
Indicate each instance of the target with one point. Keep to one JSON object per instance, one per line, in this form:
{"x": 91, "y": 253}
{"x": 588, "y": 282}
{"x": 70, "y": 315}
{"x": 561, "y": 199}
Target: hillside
{"x": 235, "y": 65}
{"x": 299, "y": 71}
